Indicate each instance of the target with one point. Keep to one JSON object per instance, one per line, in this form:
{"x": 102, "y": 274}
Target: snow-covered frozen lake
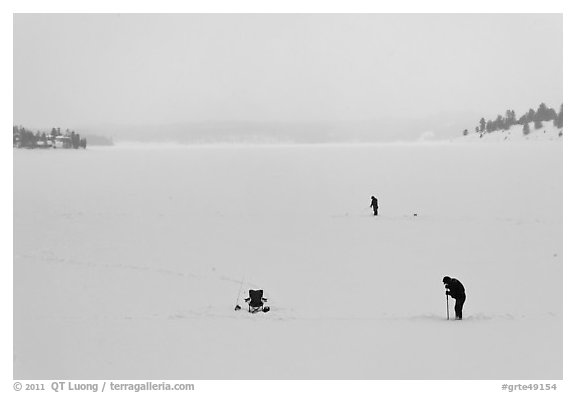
{"x": 128, "y": 262}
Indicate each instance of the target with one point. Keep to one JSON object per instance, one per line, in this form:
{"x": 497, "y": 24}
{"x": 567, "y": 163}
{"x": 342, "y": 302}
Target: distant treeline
{"x": 501, "y": 123}
{"x": 25, "y": 138}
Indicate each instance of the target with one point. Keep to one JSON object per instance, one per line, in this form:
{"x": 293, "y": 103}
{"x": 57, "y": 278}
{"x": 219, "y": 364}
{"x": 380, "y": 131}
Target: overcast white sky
{"x": 83, "y": 70}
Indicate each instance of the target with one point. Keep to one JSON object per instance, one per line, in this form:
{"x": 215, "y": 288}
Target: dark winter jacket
{"x": 456, "y": 289}
{"x": 374, "y": 203}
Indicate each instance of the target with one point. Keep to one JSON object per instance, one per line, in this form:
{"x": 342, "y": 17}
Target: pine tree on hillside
{"x": 482, "y": 125}
{"x": 499, "y": 123}
{"x": 552, "y": 115}
{"x": 544, "y": 113}
{"x": 489, "y": 126}
{"x": 559, "y": 120}
{"x": 465, "y": 132}
{"x": 526, "y": 129}
{"x": 537, "y": 124}
{"x": 530, "y": 116}
{"x": 541, "y": 112}
{"x": 510, "y": 119}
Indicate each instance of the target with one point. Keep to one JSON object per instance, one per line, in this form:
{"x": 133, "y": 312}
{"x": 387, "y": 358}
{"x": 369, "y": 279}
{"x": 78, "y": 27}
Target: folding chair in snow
{"x": 256, "y": 301}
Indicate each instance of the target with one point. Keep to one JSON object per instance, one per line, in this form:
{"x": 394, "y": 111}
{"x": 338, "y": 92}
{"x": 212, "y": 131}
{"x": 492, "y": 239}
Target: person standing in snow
{"x": 456, "y": 290}
{"x": 374, "y": 205}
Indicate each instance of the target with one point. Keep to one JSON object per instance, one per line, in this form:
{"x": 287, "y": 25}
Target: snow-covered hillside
{"x": 128, "y": 262}
{"x": 548, "y": 132}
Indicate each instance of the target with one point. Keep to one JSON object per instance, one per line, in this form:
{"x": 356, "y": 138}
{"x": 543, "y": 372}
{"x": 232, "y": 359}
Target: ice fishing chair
{"x": 256, "y": 300}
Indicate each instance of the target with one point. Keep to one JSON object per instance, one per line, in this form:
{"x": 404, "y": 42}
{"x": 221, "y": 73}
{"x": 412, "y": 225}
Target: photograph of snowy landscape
{"x": 392, "y": 183}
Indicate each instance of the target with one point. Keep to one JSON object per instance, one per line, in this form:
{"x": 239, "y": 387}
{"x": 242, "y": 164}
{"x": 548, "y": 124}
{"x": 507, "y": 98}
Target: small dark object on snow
{"x": 256, "y": 300}
{"x": 237, "y": 308}
{"x": 265, "y": 309}
{"x": 415, "y": 215}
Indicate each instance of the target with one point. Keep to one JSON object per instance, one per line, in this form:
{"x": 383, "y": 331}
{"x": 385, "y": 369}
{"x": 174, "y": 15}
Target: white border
{"x": 316, "y": 6}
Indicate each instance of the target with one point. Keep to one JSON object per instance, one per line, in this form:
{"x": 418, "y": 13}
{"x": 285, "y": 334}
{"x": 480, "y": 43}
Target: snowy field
{"x": 128, "y": 262}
